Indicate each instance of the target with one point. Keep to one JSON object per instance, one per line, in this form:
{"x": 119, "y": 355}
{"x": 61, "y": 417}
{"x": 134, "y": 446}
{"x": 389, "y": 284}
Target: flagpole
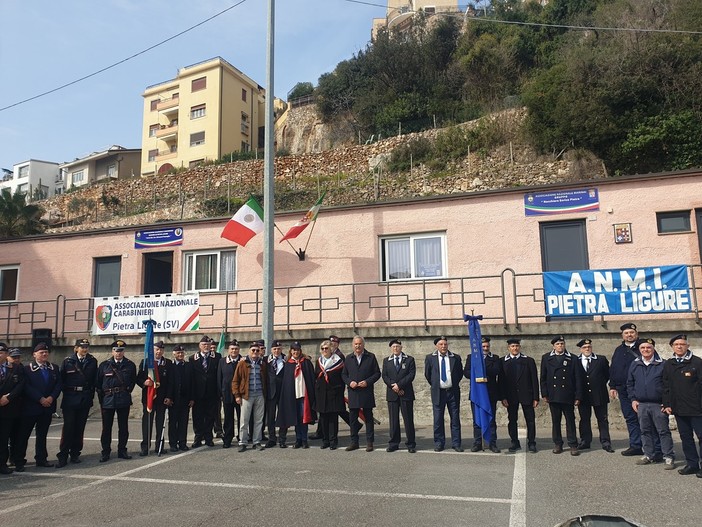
{"x": 268, "y": 185}
{"x": 310, "y": 236}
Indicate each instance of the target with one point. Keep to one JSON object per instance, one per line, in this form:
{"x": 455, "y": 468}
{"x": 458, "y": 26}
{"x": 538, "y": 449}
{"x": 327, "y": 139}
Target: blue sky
{"x": 47, "y": 43}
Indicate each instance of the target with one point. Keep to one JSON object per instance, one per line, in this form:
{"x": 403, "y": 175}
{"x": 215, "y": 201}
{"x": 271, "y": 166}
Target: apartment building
{"x": 116, "y": 162}
{"x": 210, "y": 109}
{"x": 400, "y": 12}
{"x": 38, "y": 179}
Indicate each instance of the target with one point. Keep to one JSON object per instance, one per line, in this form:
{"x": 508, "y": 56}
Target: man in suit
{"x": 179, "y": 411}
{"x": 41, "y": 389}
{"x": 444, "y": 371}
{"x": 562, "y": 389}
{"x": 11, "y": 387}
{"x": 78, "y": 376}
{"x": 276, "y": 367}
{"x": 626, "y": 353}
{"x": 398, "y": 374}
{"x": 493, "y": 370}
{"x": 163, "y": 398}
{"x": 360, "y": 373}
{"x": 225, "y": 373}
{"x": 204, "y": 366}
{"x": 595, "y": 396}
{"x": 519, "y": 385}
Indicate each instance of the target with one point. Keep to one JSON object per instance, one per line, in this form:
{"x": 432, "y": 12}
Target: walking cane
{"x": 162, "y": 443}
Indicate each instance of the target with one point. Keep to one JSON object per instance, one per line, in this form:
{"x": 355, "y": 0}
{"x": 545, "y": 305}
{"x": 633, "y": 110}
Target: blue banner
{"x": 641, "y": 290}
{"x": 479, "y": 395}
{"x": 158, "y": 238}
{"x": 561, "y": 202}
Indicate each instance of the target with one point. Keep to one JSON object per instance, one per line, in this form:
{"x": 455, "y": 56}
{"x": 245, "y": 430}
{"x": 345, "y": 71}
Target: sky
{"x": 47, "y": 43}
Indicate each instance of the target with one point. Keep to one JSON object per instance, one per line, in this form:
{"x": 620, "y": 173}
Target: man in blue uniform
{"x": 595, "y": 397}
{"x": 519, "y": 385}
{"x": 163, "y": 398}
{"x": 398, "y": 373}
{"x": 179, "y": 411}
{"x": 622, "y": 358}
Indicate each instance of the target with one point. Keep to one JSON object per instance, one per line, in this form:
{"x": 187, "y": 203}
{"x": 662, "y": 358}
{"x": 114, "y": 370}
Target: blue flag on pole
{"x": 479, "y": 397}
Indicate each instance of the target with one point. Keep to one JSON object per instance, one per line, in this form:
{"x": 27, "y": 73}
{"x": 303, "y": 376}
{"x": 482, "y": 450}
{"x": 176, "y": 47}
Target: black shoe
{"x": 270, "y": 443}
{"x": 608, "y": 448}
{"x": 196, "y": 444}
{"x": 174, "y": 450}
{"x": 494, "y": 449}
{"x": 242, "y": 448}
{"x": 333, "y": 446}
{"x": 45, "y": 464}
{"x": 687, "y": 470}
{"x": 143, "y": 453}
{"x": 458, "y": 448}
{"x": 209, "y": 443}
{"x": 5, "y": 470}
{"x": 631, "y": 451}
{"x": 514, "y": 447}
{"x": 584, "y": 446}
{"x": 412, "y": 450}
{"x": 699, "y": 473}
{"x": 104, "y": 457}
{"x": 532, "y": 449}
{"x": 19, "y": 468}
{"x": 184, "y": 448}
{"x": 391, "y": 448}
{"x": 62, "y": 462}
{"x": 352, "y": 446}
{"x": 369, "y": 447}
{"x": 124, "y": 455}
{"x": 305, "y": 444}
{"x": 298, "y": 444}
{"x": 476, "y": 448}
{"x": 657, "y": 458}
{"x": 227, "y": 445}
{"x": 282, "y": 444}
{"x": 76, "y": 459}
{"x": 324, "y": 445}
{"x": 439, "y": 448}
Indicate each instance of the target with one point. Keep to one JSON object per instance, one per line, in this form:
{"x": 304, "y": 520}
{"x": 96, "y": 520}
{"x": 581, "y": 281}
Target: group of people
{"x": 263, "y": 393}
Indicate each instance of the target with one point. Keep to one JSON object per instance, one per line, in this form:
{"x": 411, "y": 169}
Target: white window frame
{"x": 411, "y": 239}
{"x": 198, "y": 111}
{"x": 3, "y": 269}
{"x": 74, "y": 176}
{"x": 189, "y": 271}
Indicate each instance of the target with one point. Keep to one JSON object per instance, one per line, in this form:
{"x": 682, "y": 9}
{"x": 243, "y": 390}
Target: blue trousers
{"x": 632, "y": 420}
{"x": 447, "y": 398}
{"x": 689, "y": 426}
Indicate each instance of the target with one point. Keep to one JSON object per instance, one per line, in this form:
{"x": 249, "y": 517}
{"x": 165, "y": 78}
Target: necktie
{"x": 2, "y": 372}
{"x": 204, "y": 362}
{"x": 44, "y": 372}
{"x": 397, "y": 363}
{"x": 444, "y": 378}
{"x": 587, "y": 364}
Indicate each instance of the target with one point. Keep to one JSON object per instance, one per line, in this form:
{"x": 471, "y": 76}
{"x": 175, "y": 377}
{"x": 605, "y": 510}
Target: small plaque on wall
{"x": 622, "y": 233}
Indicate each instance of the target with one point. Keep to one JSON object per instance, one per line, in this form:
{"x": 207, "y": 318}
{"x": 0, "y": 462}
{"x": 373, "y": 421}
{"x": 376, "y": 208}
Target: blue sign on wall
{"x": 158, "y": 238}
{"x": 641, "y": 290}
{"x": 561, "y": 202}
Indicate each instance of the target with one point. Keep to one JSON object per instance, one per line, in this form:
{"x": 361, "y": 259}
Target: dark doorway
{"x": 158, "y": 273}
{"x": 564, "y": 246}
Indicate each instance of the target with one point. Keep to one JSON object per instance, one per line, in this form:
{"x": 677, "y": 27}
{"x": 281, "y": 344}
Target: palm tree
{"x": 17, "y": 218}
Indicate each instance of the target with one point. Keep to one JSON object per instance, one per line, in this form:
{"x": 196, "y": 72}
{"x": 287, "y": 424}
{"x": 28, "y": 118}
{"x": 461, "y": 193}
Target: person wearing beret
{"x": 645, "y": 389}
{"x": 232, "y": 411}
{"x": 217, "y": 426}
{"x": 443, "y": 371}
{"x": 11, "y": 387}
{"x": 493, "y": 370}
{"x": 682, "y": 397}
{"x": 41, "y": 390}
{"x": 596, "y": 397}
{"x": 360, "y": 373}
{"x": 562, "y": 390}
{"x": 329, "y": 394}
{"x": 297, "y": 396}
{"x": 116, "y": 379}
{"x": 398, "y": 373}
{"x": 78, "y": 376}
{"x": 249, "y": 387}
{"x": 204, "y": 366}
{"x": 276, "y": 369}
{"x": 622, "y": 358}
{"x": 163, "y": 398}
{"x": 179, "y": 411}
{"x": 519, "y": 385}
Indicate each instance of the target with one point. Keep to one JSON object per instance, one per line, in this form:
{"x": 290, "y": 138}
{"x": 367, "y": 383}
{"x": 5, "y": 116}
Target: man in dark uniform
{"x": 519, "y": 385}
{"x": 276, "y": 369}
{"x": 622, "y": 358}
{"x": 218, "y": 431}
{"x": 562, "y": 389}
{"x": 225, "y": 373}
{"x": 682, "y": 397}
{"x": 398, "y": 374}
{"x": 162, "y": 398}
{"x": 205, "y": 392}
{"x": 14, "y": 360}
{"x": 115, "y": 381}
{"x": 179, "y": 411}
{"x": 11, "y": 387}
{"x": 493, "y": 367}
{"x": 41, "y": 389}
{"x": 78, "y": 375}
{"x": 360, "y": 373}
{"x": 595, "y": 396}
{"x": 443, "y": 371}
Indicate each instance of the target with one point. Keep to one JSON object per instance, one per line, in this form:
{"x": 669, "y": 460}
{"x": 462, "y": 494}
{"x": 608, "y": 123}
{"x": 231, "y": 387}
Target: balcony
{"x": 245, "y": 128}
{"x": 168, "y": 107}
{"x": 167, "y": 132}
{"x": 167, "y": 154}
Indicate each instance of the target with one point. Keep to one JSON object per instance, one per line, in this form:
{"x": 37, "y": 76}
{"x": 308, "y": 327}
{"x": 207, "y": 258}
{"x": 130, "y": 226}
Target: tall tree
{"x": 17, "y": 218}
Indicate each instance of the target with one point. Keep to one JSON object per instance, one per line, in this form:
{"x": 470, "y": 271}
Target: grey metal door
{"x": 564, "y": 246}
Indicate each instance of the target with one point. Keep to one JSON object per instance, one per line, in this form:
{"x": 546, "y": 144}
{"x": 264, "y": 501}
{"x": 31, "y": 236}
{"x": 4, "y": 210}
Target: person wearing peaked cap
{"x": 116, "y": 379}
{"x": 204, "y": 365}
{"x": 276, "y": 366}
{"x": 160, "y": 379}
{"x": 205, "y": 339}
{"x": 398, "y": 374}
{"x": 562, "y": 389}
{"x": 519, "y": 385}
{"x": 78, "y": 376}
{"x": 595, "y": 397}
{"x": 232, "y": 411}
{"x": 622, "y": 358}
{"x": 645, "y": 388}
{"x": 443, "y": 370}
{"x": 182, "y": 393}
{"x": 682, "y": 397}
{"x": 217, "y": 425}
{"x": 11, "y": 387}
{"x": 160, "y": 344}
{"x": 41, "y": 390}
{"x": 493, "y": 371}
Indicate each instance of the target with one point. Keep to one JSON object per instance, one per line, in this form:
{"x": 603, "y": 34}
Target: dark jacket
{"x": 35, "y": 388}
{"x": 368, "y": 371}
{"x": 432, "y": 373}
{"x": 645, "y": 383}
{"x": 115, "y": 383}
{"x": 182, "y": 383}
{"x": 595, "y": 381}
{"x": 403, "y": 378}
{"x": 205, "y": 381}
{"x": 621, "y": 362}
{"x": 682, "y": 385}
{"x": 275, "y": 380}
{"x": 329, "y": 389}
{"x": 78, "y": 381}
{"x": 240, "y": 380}
{"x": 561, "y": 378}
{"x": 225, "y": 373}
{"x": 165, "y": 387}
{"x": 12, "y": 386}
{"x": 493, "y": 371}
{"x": 287, "y": 407}
{"x": 519, "y": 382}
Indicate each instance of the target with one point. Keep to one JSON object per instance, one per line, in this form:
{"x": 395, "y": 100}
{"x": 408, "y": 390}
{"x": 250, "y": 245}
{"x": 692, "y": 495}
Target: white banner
{"x": 125, "y": 314}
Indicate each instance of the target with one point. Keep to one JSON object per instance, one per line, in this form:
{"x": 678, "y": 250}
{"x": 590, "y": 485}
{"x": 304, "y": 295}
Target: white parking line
{"x": 517, "y": 512}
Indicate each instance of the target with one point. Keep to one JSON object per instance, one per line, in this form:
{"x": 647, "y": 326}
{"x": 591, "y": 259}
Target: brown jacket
{"x": 240, "y": 380}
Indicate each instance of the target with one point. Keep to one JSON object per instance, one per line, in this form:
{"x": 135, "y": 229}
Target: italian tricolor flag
{"x": 301, "y": 225}
{"x": 245, "y": 224}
